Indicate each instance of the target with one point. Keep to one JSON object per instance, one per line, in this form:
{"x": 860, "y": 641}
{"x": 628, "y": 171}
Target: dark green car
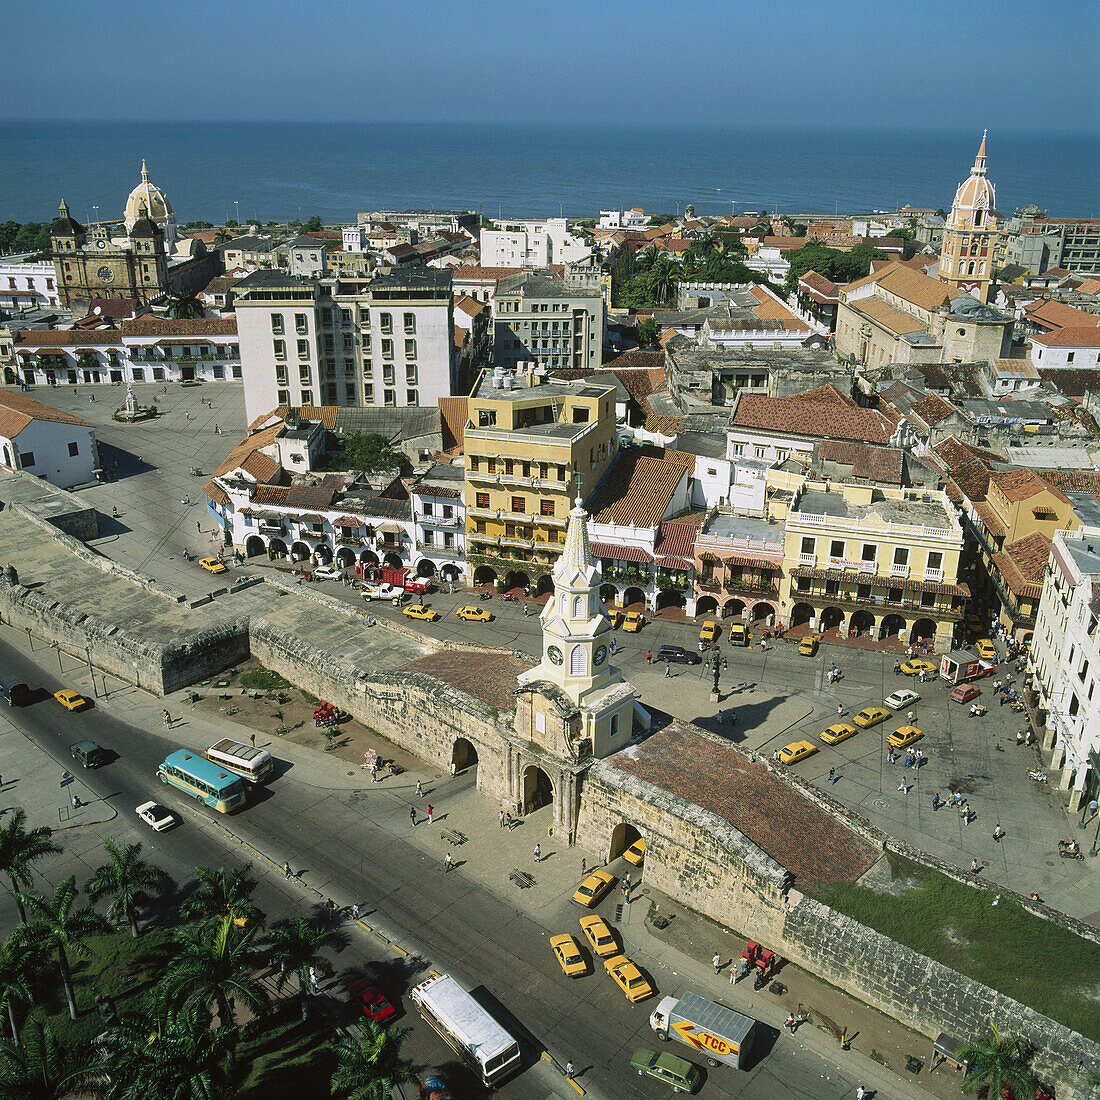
{"x": 681, "y": 1075}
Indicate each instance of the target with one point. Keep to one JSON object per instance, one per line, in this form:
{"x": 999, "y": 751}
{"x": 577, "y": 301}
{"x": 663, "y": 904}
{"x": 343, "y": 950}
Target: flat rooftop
{"x": 515, "y": 387}
{"x": 1085, "y": 551}
{"x": 916, "y": 512}
{"x": 744, "y": 527}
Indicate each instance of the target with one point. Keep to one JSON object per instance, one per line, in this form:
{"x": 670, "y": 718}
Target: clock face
{"x": 105, "y": 274}
{"x": 554, "y": 654}
{"x": 600, "y": 655}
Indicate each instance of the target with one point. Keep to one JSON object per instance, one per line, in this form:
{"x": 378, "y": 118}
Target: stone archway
{"x": 734, "y": 607}
{"x": 516, "y": 578}
{"x": 608, "y": 594}
{"x": 450, "y": 573}
{"x": 277, "y": 548}
{"x": 892, "y": 625}
{"x": 923, "y": 629}
{"x": 831, "y": 617}
{"x": 544, "y": 586}
{"x": 323, "y": 554}
{"x": 463, "y": 755}
{"x": 368, "y": 557}
{"x": 538, "y": 789}
{"x": 863, "y": 622}
{"x": 484, "y": 574}
{"x": 801, "y": 613}
{"x": 345, "y": 558}
{"x": 425, "y": 568}
{"x": 393, "y": 561}
{"x": 622, "y": 836}
{"x": 634, "y": 599}
{"x": 669, "y": 597}
{"x": 299, "y": 551}
{"x": 762, "y": 610}
{"x": 254, "y": 547}
{"x": 706, "y": 605}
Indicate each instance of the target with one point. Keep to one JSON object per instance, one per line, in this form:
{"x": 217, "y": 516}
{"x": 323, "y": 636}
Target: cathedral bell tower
{"x": 966, "y": 259}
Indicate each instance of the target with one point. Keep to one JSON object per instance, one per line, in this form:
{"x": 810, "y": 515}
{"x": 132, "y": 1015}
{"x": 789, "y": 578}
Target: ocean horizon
{"x": 278, "y": 171}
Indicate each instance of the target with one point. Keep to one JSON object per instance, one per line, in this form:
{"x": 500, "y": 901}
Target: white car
{"x": 156, "y": 816}
{"x": 328, "y": 573}
{"x": 901, "y": 699}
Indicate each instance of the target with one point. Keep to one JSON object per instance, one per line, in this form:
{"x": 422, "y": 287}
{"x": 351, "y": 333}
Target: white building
{"x": 56, "y": 446}
{"x": 1065, "y": 661}
{"x": 635, "y": 218}
{"x": 439, "y": 515}
{"x": 26, "y": 285}
{"x": 306, "y": 256}
{"x": 531, "y": 244}
{"x": 546, "y": 322}
{"x": 1075, "y": 347}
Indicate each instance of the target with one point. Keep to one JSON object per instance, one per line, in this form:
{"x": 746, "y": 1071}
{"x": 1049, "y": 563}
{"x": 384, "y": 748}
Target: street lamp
{"x": 237, "y": 210}
{"x": 715, "y": 691}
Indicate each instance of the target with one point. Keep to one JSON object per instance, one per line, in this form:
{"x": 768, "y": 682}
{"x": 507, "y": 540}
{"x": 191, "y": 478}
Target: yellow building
{"x": 970, "y": 235}
{"x": 870, "y": 560}
{"x": 532, "y": 444}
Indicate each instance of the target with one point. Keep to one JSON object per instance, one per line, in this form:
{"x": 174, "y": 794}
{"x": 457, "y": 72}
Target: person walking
{"x": 902, "y": 787}
{"x": 313, "y": 980}
{"x": 966, "y": 813}
{"x": 584, "y": 867}
{"x": 500, "y": 817}
{"x": 832, "y": 775}
{"x": 286, "y": 870}
{"x": 167, "y": 720}
{"x": 253, "y": 739}
{"x": 430, "y": 812}
{"x": 448, "y": 863}
{"x": 412, "y": 817}
{"x": 668, "y": 669}
{"x": 973, "y": 866}
{"x": 569, "y": 1071}
{"x": 717, "y": 963}
{"x": 861, "y": 1092}
{"x": 538, "y": 853}
{"x": 649, "y": 657}
{"x": 998, "y": 832}
{"x": 840, "y": 710}
{"x": 355, "y": 911}
{"x": 790, "y": 1023}
{"x": 453, "y": 769}
{"x": 198, "y": 527}
{"x": 419, "y": 790}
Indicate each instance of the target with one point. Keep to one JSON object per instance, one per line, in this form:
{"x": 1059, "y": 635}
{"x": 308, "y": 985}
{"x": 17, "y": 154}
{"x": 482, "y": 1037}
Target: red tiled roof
{"x": 932, "y": 409}
{"x": 17, "y": 411}
{"x": 619, "y": 552}
{"x": 180, "y": 326}
{"x": 1020, "y": 485}
{"x": 482, "y": 274}
{"x": 676, "y": 543}
{"x": 990, "y": 519}
{"x": 38, "y": 338}
{"x": 1055, "y": 315}
{"x": 881, "y": 464}
{"x": 260, "y": 466}
{"x": 818, "y": 287}
{"x": 801, "y": 415}
{"x": 1023, "y": 564}
{"x": 453, "y": 416}
{"x": 636, "y": 491}
{"x": 1072, "y": 481}
{"x": 1072, "y": 336}
{"x": 911, "y": 286}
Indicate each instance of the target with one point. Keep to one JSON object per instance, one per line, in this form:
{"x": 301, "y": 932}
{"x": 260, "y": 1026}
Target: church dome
{"x": 147, "y": 200}
{"x": 976, "y": 193}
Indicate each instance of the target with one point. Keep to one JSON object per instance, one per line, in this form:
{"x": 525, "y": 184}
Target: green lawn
{"x": 286, "y": 1057}
{"x": 1003, "y": 946}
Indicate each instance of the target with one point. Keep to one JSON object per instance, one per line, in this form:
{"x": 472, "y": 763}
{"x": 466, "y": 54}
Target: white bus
{"x": 247, "y": 761}
{"x": 467, "y": 1029}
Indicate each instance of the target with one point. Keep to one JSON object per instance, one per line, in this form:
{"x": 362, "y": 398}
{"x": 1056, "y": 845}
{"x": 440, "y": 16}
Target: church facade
{"x": 966, "y": 259}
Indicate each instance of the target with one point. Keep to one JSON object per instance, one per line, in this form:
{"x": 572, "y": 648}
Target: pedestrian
{"x": 1, "y": 780}
{"x": 719, "y": 716}
{"x": 569, "y": 1071}
{"x": 453, "y": 769}
{"x": 584, "y": 867}
{"x": 538, "y": 853}
{"x": 613, "y": 646}
{"x": 973, "y": 866}
{"x": 840, "y": 710}
{"x": 430, "y": 811}
{"x": 668, "y": 670}
{"x": 998, "y": 832}
{"x": 832, "y": 775}
{"x": 500, "y": 817}
{"x": 253, "y": 740}
{"x": 717, "y": 961}
{"x": 649, "y": 657}
{"x": 966, "y": 813}
{"x": 313, "y": 979}
{"x": 412, "y": 817}
{"x": 373, "y": 772}
{"x": 902, "y": 786}
{"x": 75, "y": 802}
{"x": 198, "y": 527}
{"x": 419, "y": 790}
{"x": 909, "y": 717}
{"x": 791, "y": 1023}
{"x": 286, "y": 870}
{"x": 448, "y": 863}
{"x": 167, "y": 720}
{"x": 861, "y": 1092}
{"x": 919, "y": 754}
{"x": 355, "y": 911}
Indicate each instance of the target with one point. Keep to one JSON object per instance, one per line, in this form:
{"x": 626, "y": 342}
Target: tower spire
{"x": 577, "y": 554}
{"x": 144, "y": 172}
{"x": 979, "y": 160}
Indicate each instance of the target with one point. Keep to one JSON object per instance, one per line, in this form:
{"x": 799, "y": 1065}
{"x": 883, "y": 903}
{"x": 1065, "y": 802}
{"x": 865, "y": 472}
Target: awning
{"x": 349, "y": 521}
{"x": 309, "y": 517}
{"x": 391, "y": 528}
{"x": 675, "y": 562}
{"x": 613, "y": 552}
{"x": 53, "y": 352}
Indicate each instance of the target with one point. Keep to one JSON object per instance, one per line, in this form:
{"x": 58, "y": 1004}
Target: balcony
{"x": 312, "y": 536}
{"x": 439, "y": 551}
{"x": 807, "y": 559}
{"x": 482, "y": 513}
{"x": 272, "y": 529}
{"x": 935, "y": 575}
{"x": 899, "y": 570}
{"x": 437, "y": 521}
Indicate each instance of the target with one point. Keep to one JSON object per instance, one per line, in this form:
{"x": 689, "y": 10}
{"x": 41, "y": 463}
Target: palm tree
{"x": 369, "y": 1067}
{"x": 184, "y": 304}
{"x": 19, "y": 849}
{"x": 16, "y": 968}
{"x": 56, "y": 926}
{"x": 125, "y": 879}
{"x": 42, "y": 1070}
{"x": 295, "y": 949}
{"x": 648, "y": 256}
{"x": 221, "y": 235}
{"x": 222, "y": 893}
{"x": 663, "y": 275}
{"x": 165, "y": 1052}
{"x": 215, "y": 970}
{"x": 997, "y": 1061}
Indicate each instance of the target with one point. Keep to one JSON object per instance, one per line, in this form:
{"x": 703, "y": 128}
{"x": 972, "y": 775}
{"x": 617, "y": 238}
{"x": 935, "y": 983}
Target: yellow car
{"x": 709, "y": 632}
{"x": 628, "y": 978}
{"x": 569, "y": 956}
{"x": 419, "y": 611}
{"x": 808, "y": 646}
{"x": 616, "y": 617}
{"x": 796, "y": 751}
{"x": 212, "y": 565}
{"x": 593, "y": 888}
{"x": 633, "y": 621}
{"x": 837, "y": 732}
{"x": 70, "y": 700}
{"x": 473, "y": 614}
{"x": 986, "y": 649}
{"x": 904, "y": 735}
{"x": 915, "y": 667}
{"x": 870, "y": 716}
{"x": 598, "y": 934}
{"x": 635, "y": 853}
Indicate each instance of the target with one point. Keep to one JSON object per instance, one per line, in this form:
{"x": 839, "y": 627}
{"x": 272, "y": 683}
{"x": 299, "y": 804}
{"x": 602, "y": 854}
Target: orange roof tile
{"x": 148, "y": 325}
{"x": 826, "y": 420}
{"x": 1054, "y": 314}
{"x": 1072, "y": 336}
{"x": 636, "y": 491}
{"x": 910, "y": 286}
{"x": 453, "y": 416}
{"x": 17, "y": 411}
{"x": 890, "y": 317}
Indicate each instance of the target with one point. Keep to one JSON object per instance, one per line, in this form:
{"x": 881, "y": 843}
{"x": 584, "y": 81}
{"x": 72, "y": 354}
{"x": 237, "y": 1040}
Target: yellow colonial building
{"x": 870, "y": 560}
{"x": 970, "y": 235}
{"x": 532, "y": 444}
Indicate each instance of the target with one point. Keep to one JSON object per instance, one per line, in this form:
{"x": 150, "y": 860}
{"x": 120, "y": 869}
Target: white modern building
{"x": 545, "y": 322}
{"x": 1065, "y": 661}
{"x": 26, "y": 285}
{"x": 635, "y": 218}
{"x": 531, "y": 244}
{"x": 439, "y": 515}
{"x": 53, "y": 445}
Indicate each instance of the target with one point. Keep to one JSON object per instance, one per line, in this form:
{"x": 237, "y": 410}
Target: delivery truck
{"x": 401, "y": 578}
{"x": 721, "y": 1035}
{"x": 961, "y": 665}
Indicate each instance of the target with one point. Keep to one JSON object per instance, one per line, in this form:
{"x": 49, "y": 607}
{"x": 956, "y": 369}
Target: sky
{"x": 886, "y": 64}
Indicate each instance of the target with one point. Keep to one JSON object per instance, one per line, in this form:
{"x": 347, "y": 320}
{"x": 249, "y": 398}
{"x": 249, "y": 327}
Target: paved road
{"x": 362, "y": 843}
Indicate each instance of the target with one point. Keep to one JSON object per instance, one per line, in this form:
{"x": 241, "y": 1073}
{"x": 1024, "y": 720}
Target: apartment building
{"x": 531, "y": 244}
{"x": 27, "y": 285}
{"x": 868, "y": 559}
{"x": 537, "y": 319}
{"x": 1064, "y": 662}
{"x": 383, "y": 341}
{"x": 531, "y": 447}
{"x": 439, "y": 516}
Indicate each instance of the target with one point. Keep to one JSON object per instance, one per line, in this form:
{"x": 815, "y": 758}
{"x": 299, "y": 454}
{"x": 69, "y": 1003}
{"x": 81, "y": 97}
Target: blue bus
{"x": 191, "y": 773}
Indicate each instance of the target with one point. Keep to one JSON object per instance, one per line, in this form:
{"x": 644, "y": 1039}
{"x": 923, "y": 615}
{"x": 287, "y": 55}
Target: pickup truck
{"x": 379, "y": 590}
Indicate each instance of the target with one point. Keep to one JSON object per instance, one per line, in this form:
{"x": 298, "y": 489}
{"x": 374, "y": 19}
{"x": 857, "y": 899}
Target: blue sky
{"x": 905, "y": 64}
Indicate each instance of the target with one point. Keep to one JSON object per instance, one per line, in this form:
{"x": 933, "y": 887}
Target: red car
{"x": 964, "y": 693}
{"x": 371, "y": 1001}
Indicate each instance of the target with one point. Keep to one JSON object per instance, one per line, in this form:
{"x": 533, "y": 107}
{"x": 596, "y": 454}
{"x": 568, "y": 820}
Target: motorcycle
{"x": 485, "y": 596}
{"x": 1036, "y": 775}
{"x": 509, "y": 599}
{"x": 1069, "y": 849}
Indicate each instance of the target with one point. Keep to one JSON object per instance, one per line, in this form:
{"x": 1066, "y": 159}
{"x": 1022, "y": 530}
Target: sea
{"x": 213, "y": 171}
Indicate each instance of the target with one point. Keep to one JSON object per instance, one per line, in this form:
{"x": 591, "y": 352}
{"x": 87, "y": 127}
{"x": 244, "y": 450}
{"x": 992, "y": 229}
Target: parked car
{"x": 628, "y": 978}
{"x": 419, "y": 611}
{"x": 433, "y": 1088}
{"x": 915, "y": 667}
{"x": 795, "y": 751}
{"x": 70, "y": 700}
{"x": 681, "y": 1074}
{"x": 899, "y": 700}
{"x": 371, "y": 1001}
{"x": 593, "y": 888}
{"x": 870, "y": 716}
{"x": 472, "y": 614}
{"x": 677, "y": 655}
{"x": 904, "y": 736}
{"x": 569, "y": 956}
{"x": 212, "y": 565}
{"x": 964, "y": 693}
{"x": 155, "y": 816}
{"x": 599, "y": 935}
{"x": 327, "y": 573}
{"x": 709, "y": 632}
{"x": 87, "y": 754}
{"x": 808, "y": 646}
{"x": 616, "y": 616}
{"x": 633, "y": 621}
{"x": 837, "y": 732}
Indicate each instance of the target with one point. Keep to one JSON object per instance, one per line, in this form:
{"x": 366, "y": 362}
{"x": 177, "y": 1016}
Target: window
{"x": 928, "y": 599}
{"x": 836, "y": 548}
{"x": 546, "y": 507}
{"x": 410, "y": 374}
{"x": 277, "y": 324}
{"x": 303, "y": 374}
{"x": 759, "y": 452}
{"x": 580, "y": 414}
{"x": 870, "y": 552}
{"x": 863, "y": 592}
{"x": 307, "y": 397}
{"x": 283, "y": 397}
{"x": 614, "y": 726}
{"x": 368, "y": 394}
{"x": 345, "y": 316}
{"x": 387, "y": 373}
{"x": 807, "y": 546}
{"x": 893, "y": 595}
{"x": 301, "y": 325}
{"x": 410, "y": 323}
{"x": 303, "y": 349}
{"x": 479, "y": 527}
{"x": 74, "y": 450}
{"x": 832, "y": 588}
{"x": 1069, "y": 356}
{"x": 385, "y": 321}
{"x": 519, "y": 505}
{"x": 410, "y": 349}
{"x": 387, "y": 349}
{"x": 280, "y": 374}
{"x": 578, "y": 661}
{"x": 935, "y": 559}
{"x": 412, "y": 398}
{"x": 280, "y": 348}
{"x": 388, "y": 398}
{"x": 901, "y": 555}
{"x": 27, "y": 458}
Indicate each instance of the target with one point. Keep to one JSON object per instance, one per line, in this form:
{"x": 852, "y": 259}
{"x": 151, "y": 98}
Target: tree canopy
{"x": 313, "y": 225}
{"x": 838, "y": 267}
{"x": 370, "y": 453}
{"x": 24, "y": 237}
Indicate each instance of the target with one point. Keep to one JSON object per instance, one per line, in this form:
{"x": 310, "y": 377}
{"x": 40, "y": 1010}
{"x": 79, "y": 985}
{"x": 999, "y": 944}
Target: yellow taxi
{"x": 472, "y": 614}
{"x": 635, "y": 853}
{"x": 903, "y": 736}
{"x": 633, "y": 621}
{"x": 796, "y": 750}
{"x": 808, "y": 646}
{"x": 870, "y": 716}
{"x": 740, "y": 634}
{"x": 569, "y": 956}
{"x": 599, "y": 935}
{"x": 986, "y": 649}
{"x": 916, "y": 667}
{"x": 710, "y": 631}
{"x": 212, "y": 565}
{"x": 837, "y": 732}
{"x": 70, "y": 700}
{"x": 593, "y": 888}
{"x": 419, "y": 611}
{"x": 616, "y": 617}
{"x": 628, "y": 978}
